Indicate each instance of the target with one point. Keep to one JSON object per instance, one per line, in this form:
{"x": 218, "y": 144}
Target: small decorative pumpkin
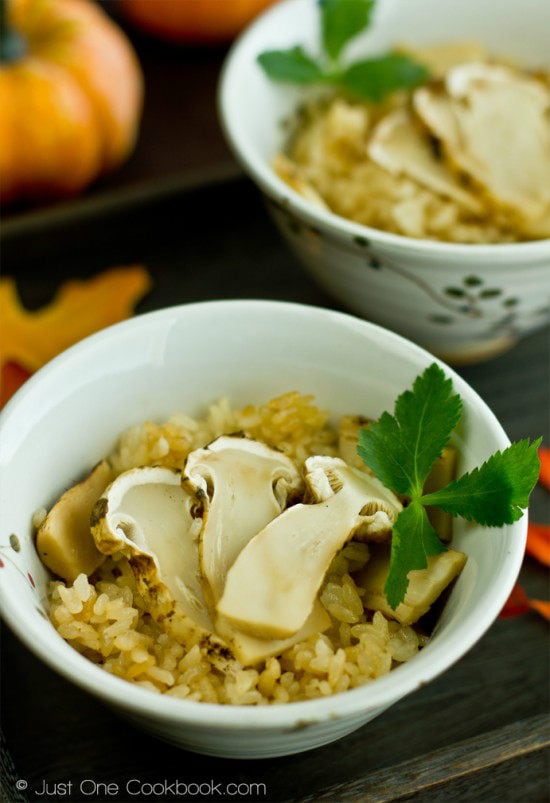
{"x": 193, "y": 21}
{"x": 70, "y": 97}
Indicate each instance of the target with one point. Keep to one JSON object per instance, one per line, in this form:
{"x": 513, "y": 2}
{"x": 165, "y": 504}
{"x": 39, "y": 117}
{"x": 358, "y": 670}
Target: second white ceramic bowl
{"x": 463, "y": 302}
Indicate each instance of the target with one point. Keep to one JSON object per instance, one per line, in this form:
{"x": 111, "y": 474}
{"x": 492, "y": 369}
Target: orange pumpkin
{"x": 70, "y": 97}
{"x": 208, "y": 21}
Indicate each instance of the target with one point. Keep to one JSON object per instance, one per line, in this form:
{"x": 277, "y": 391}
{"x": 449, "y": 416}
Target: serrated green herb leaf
{"x": 375, "y": 78}
{"x": 341, "y": 20}
{"x": 413, "y": 541}
{"x": 402, "y": 448}
{"x": 495, "y": 493}
{"x": 294, "y": 66}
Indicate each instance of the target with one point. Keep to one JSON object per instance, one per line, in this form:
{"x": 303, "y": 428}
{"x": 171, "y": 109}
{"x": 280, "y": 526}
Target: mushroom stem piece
{"x": 63, "y": 540}
{"x": 425, "y": 585}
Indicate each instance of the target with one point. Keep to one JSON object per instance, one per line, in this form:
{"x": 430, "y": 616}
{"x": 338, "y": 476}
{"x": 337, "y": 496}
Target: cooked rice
{"x": 327, "y": 162}
{"x": 106, "y": 619}
{"x": 291, "y": 423}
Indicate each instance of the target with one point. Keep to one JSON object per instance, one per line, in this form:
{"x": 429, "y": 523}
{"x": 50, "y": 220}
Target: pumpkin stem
{"x": 12, "y": 45}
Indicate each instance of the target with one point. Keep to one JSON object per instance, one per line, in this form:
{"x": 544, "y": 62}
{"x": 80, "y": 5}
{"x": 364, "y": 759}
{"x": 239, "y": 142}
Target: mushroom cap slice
{"x": 243, "y": 484}
{"x": 325, "y": 476}
{"x": 493, "y": 125}
{"x": 147, "y": 515}
{"x": 271, "y": 588}
{"x": 399, "y": 145}
{"x": 63, "y": 540}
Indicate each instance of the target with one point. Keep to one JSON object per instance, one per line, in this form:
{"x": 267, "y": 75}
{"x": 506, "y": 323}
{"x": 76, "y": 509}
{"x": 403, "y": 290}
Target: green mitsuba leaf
{"x": 341, "y": 20}
{"x": 414, "y": 540}
{"x": 402, "y": 448}
{"x": 427, "y": 415}
{"x": 294, "y": 66}
{"x": 381, "y": 448}
{"x": 497, "y": 492}
{"x": 375, "y": 78}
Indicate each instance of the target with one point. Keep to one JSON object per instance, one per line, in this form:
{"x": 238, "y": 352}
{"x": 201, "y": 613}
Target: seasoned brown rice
{"x": 341, "y": 157}
{"x": 107, "y": 620}
{"x": 327, "y": 162}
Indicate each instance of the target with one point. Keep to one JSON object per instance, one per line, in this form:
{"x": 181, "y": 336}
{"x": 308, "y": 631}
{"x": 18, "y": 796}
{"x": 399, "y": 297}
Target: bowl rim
{"x": 42, "y": 640}
{"x": 282, "y": 193}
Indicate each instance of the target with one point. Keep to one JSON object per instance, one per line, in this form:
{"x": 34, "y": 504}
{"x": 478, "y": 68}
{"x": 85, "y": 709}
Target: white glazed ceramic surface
{"x": 70, "y": 414}
{"x": 463, "y": 302}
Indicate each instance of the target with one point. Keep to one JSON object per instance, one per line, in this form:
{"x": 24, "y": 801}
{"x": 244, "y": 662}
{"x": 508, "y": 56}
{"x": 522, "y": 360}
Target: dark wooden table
{"x": 480, "y": 732}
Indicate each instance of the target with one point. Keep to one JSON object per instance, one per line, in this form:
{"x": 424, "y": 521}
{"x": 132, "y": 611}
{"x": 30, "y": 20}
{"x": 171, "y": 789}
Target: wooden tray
{"x": 478, "y": 733}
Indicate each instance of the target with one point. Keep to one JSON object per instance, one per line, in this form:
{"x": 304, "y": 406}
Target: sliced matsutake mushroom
{"x": 271, "y": 588}
{"x": 400, "y": 146}
{"x": 425, "y": 585}
{"x": 244, "y": 484}
{"x": 147, "y": 516}
{"x": 63, "y": 540}
{"x": 493, "y": 123}
{"x": 250, "y": 650}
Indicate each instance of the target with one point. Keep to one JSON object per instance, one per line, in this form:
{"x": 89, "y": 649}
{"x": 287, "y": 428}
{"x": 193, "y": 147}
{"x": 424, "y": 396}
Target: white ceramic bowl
{"x": 70, "y": 413}
{"x": 463, "y": 302}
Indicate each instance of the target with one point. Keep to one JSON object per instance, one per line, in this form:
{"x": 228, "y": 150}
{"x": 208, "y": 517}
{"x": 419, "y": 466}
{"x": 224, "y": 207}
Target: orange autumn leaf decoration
{"x": 13, "y": 376}
{"x": 519, "y": 603}
{"x": 544, "y": 457}
{"x": 541, "y": 606}
{"x": 516, "y": 604}
{"x": 538, "y": 547}
{"x": 538, "y": 542}
{"x": 32, "y": 338}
